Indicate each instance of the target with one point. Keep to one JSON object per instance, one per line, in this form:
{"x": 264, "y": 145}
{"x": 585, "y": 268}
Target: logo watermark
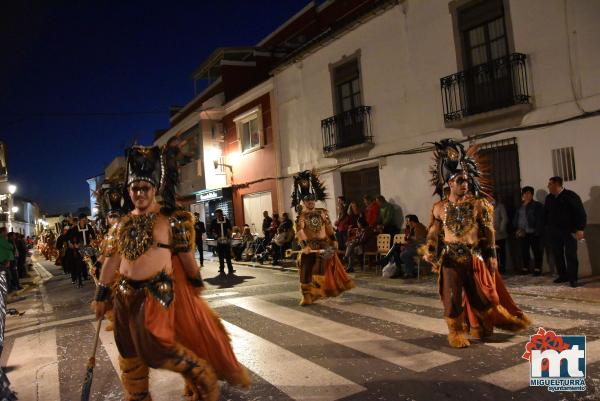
{"x": 556, "y": 362}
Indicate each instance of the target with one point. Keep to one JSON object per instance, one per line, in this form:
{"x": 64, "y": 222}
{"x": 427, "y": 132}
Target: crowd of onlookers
{"x": 14, "y": 250}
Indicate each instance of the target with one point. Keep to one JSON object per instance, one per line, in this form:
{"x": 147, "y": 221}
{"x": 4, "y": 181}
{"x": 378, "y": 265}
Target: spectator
{"x": 386, "y": 216}
{"x": 353, "y": 216}
{"x": 283, "y": 239}
{"x": 416, "y": 235}
{"x": 341, "y": 222}
{"x": 500, "y": 226}
{"x": 566, "y": 219}
{"x": 14, "y": 274}
{"x": 7, "y": 255}
{"x": 274, "y": 226}
{"x": 220, "y": 228}
{"x": 529, "y": 222}
{"x": 371, "y": 211}
{"x": 365, "y": 240}
{"x": 22, "y": 249}
{"x": 266, "y": 225}
{"x": 200, "y": 230}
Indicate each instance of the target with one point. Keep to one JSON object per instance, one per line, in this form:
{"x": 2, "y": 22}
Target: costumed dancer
{"x": 321, "y": 272}
{"x": 461, "y": 246}
{"x": 159, "y": 319}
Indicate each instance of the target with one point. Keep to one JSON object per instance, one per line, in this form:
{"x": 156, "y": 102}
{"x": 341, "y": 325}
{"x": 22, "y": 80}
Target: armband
{"x": 102, "y": 292}
{"x": 182, "y": 229}
{"x": 489, "y": 252}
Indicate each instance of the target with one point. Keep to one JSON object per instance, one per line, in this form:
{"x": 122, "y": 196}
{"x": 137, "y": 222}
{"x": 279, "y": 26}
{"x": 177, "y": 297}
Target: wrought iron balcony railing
{"x": 352, "y": 127}
{"x": 500, "y": 83}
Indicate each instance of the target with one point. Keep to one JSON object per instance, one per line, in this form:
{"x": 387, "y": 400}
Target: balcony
{"x": 347, "y": 131}
{"x": 499, "y": 84}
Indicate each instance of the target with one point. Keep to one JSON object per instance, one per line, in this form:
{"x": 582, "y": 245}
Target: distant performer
{"x": 461, "y": 246}
{"x": 321, "y": 272}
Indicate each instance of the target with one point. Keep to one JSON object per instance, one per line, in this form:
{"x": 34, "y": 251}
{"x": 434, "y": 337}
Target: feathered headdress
{"x": 157, "y": 166}
{"x": 307, "y": 186}
{"x": 451, "y": 159}
{"x": 110, "y": 198}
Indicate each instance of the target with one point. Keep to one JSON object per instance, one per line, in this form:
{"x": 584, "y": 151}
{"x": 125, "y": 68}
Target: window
{"x": 563, "y": 163}
{"x": 483, "y": 32}
{"x": 346, "y": 82}
{"x": 249, "y": 130}
{"x": 190, "y": 144}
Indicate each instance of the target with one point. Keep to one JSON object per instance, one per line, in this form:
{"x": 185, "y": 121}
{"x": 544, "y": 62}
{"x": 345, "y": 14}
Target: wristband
{"x": 102, "y": 292}
{"x": 196, "y": 281}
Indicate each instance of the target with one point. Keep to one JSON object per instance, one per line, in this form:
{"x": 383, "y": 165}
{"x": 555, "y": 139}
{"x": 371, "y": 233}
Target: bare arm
{"x": 188, "y": 261}
{"x": 430, "y": 249}
{"x": 487, "y": 235}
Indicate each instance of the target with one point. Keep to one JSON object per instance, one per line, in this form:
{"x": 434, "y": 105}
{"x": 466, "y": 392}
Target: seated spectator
{"x": 415, "y": 235}
{"x": 283, "y": 239}
{"x": 341, "y": 222}
{"x": 365, "y": 240}
{"x": 353, "y": 216}
{"x": 246, "y": 240}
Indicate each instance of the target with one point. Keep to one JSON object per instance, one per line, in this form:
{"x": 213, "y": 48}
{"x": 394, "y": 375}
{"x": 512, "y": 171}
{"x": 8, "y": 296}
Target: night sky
{"x": 80, "y": 80}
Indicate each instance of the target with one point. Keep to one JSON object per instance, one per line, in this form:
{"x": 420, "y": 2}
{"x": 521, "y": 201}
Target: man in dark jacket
{"x": 565, "y": 220}
{"x": 220, "y": 228}
{"x": 529, "y": 222}
{"x": 200, "y": 229}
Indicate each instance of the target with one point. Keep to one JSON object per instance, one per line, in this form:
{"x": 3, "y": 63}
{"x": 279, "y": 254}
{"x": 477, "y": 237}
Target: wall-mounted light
{"x": 12, "y": 188}
{"x": 15, "y": 209}
{"x": 217, "y": 164}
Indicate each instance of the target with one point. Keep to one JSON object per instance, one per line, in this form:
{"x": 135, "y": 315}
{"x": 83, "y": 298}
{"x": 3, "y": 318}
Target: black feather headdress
{"x": 307, "y": 185}
{"x": 451, "y": 159}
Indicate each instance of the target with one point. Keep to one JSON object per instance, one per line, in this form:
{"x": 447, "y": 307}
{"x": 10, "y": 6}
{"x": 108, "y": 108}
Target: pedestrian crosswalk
{"x": 372, "y": 335}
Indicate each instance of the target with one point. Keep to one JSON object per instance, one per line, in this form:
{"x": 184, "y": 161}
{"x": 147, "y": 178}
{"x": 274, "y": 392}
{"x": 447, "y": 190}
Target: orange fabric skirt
{"x": 190, "y": 321}
{"x": 505, "y": 313}
{"x": 334, "y": 280}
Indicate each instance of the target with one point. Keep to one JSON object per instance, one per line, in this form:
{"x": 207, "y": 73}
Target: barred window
{"x": 563, "y": 163}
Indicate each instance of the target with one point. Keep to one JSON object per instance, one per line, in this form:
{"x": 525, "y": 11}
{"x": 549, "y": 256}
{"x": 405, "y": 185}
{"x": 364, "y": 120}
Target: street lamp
{"x": 15, "y": 209}
{"x": 12, "y": 189}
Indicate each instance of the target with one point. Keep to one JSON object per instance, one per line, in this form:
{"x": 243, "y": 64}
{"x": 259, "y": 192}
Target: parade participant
{"x": 221, "y": 229}
{"x": 321, "y": 272}
{"x": 460, "y": 244}
{"x": 159, "y": 319}
{"x": 61, "y": 245}
{"x": 79, "y": 238}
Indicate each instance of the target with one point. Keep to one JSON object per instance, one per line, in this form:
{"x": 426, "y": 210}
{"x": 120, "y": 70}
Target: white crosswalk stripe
{"x": 281, "y": 368}
{"x": 400, "y": 353}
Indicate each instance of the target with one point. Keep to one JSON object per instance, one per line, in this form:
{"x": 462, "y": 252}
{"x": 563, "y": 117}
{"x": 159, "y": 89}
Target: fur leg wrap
{"x": 486, "y": 325}
{"x": 201, "y": 380}
{"x": 134, "y": 376}
{"x": 307, "y": 298}
{"x": 456, "y": 332}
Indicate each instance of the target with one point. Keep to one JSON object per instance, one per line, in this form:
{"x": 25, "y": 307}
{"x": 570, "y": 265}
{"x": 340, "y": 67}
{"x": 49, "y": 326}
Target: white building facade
{"x": 521, "y": 78}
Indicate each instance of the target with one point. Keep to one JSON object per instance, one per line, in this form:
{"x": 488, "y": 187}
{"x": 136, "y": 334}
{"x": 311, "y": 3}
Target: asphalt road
{"x": 377, "y": 342}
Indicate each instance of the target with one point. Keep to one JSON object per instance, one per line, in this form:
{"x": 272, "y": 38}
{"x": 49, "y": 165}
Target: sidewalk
{"x": 588, "y": 290}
